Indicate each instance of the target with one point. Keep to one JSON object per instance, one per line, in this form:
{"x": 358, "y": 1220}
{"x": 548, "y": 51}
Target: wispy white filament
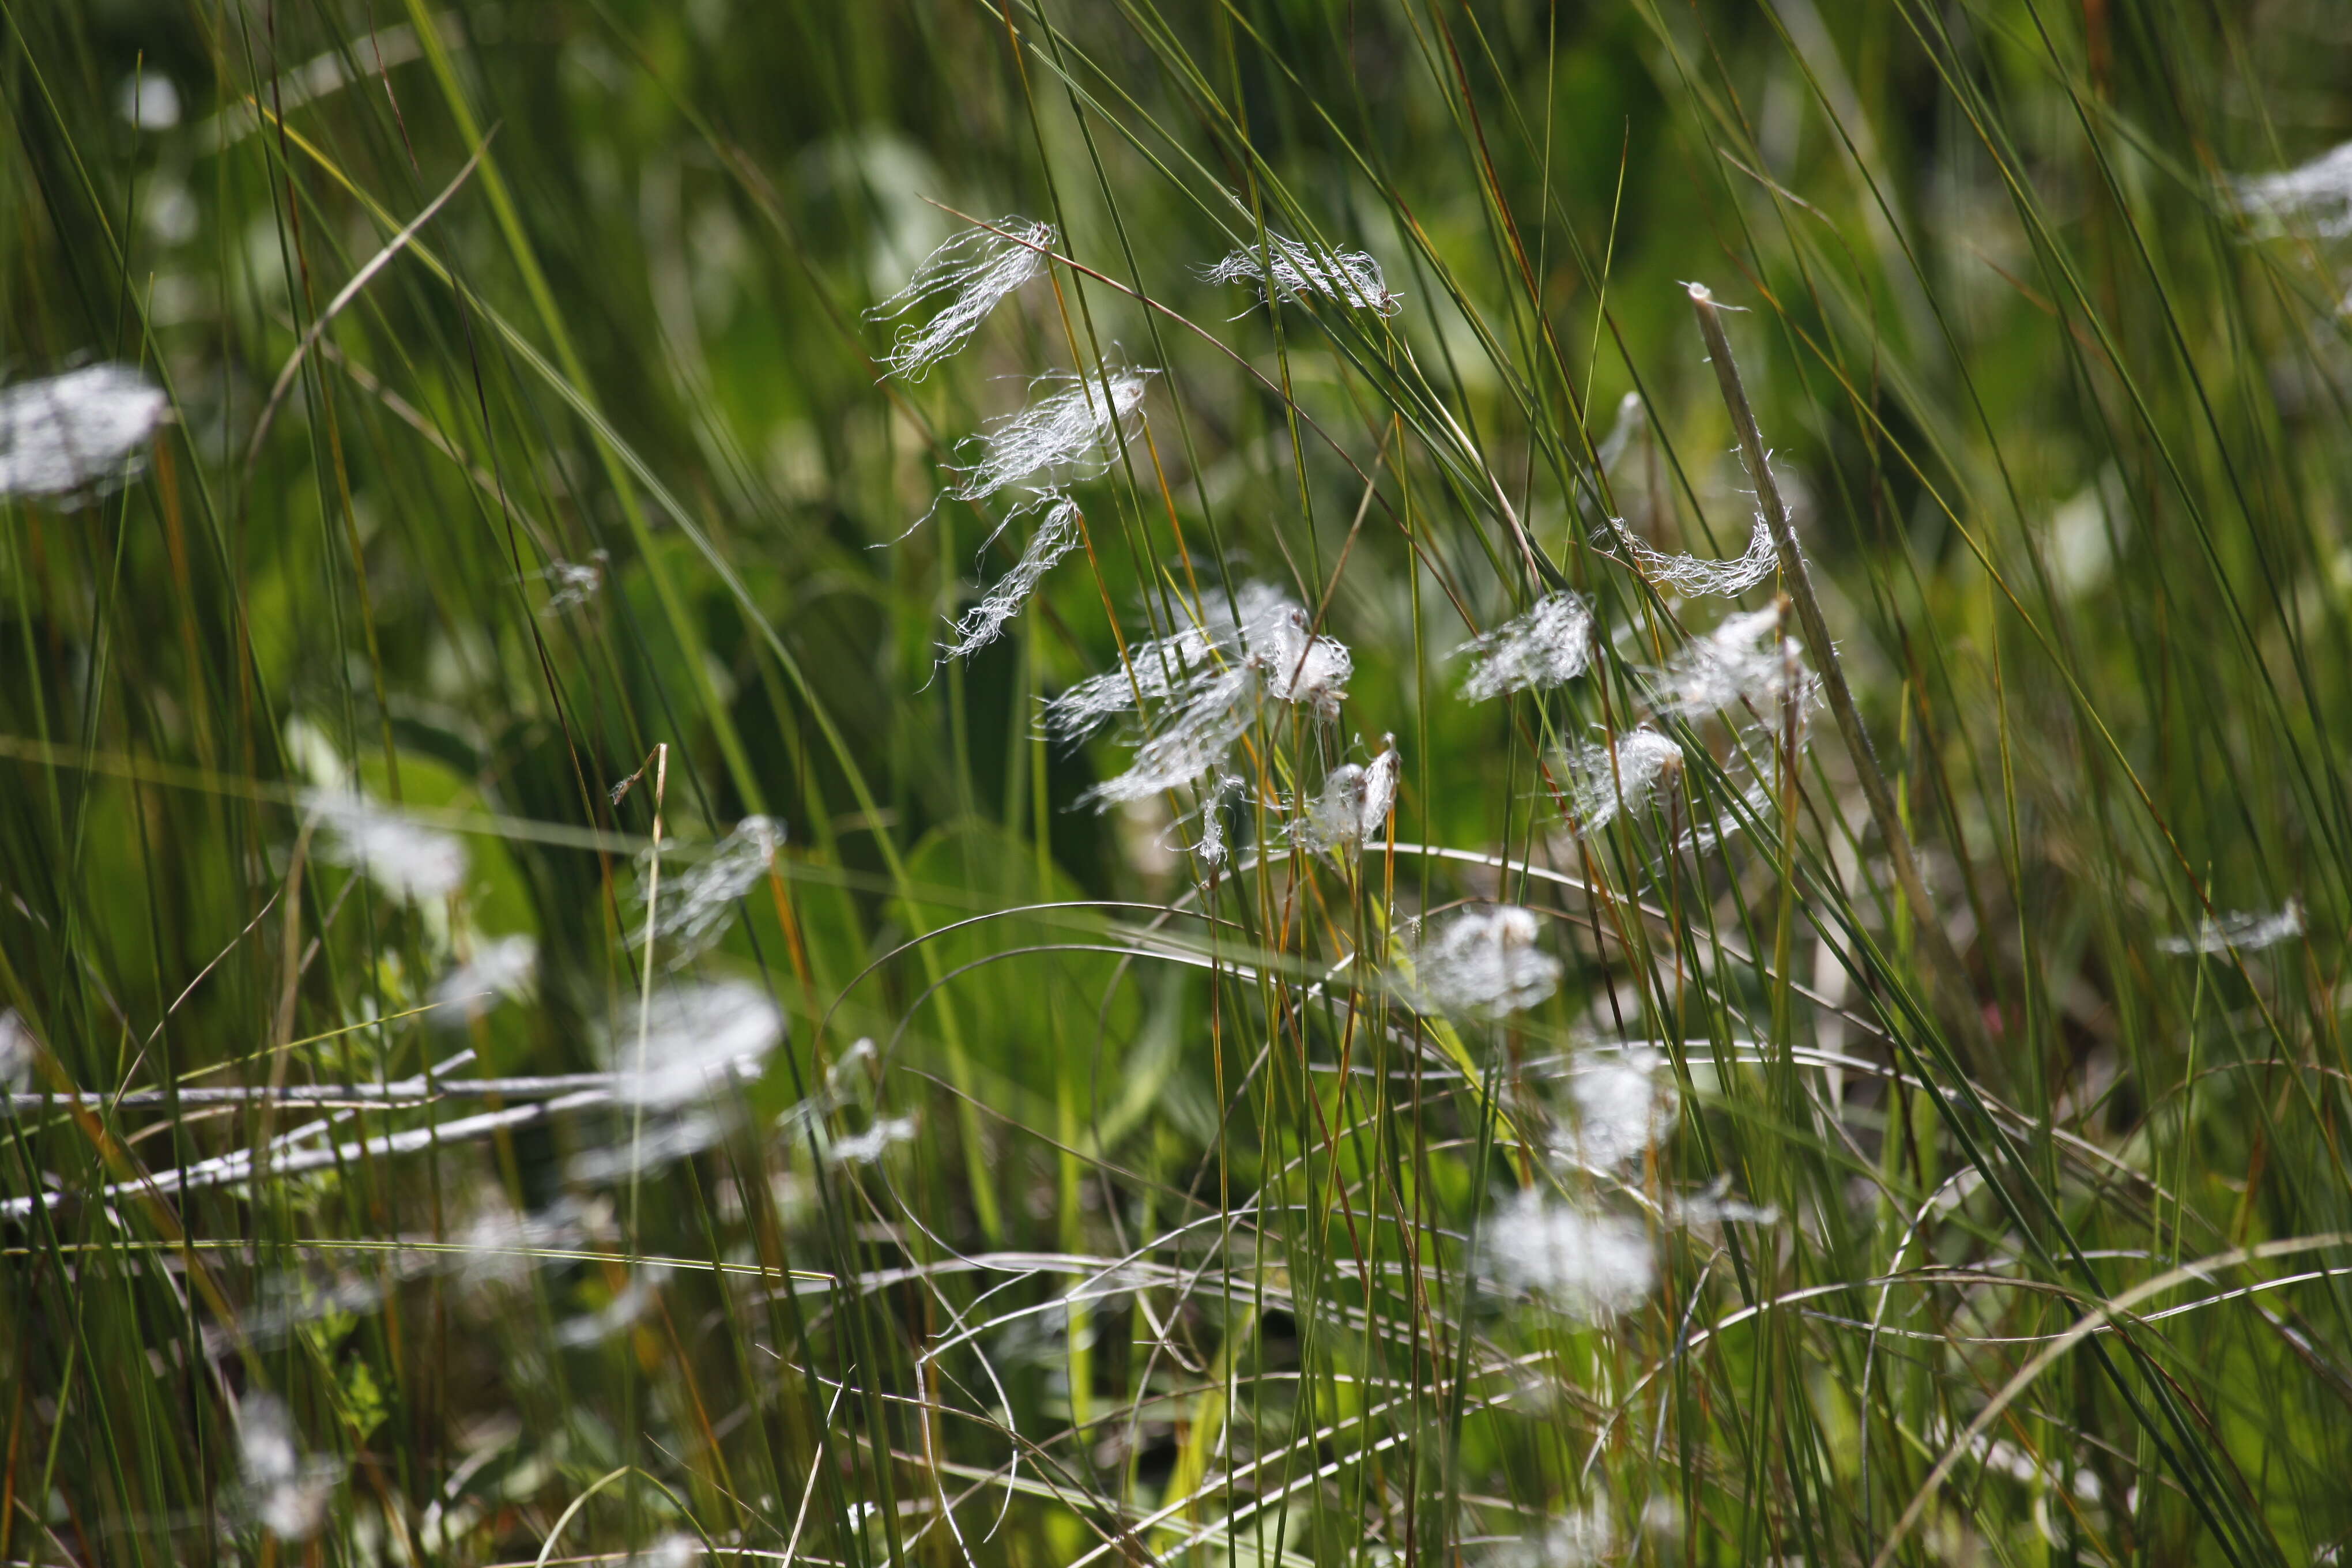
{"x": 2318, "y": 192}
{"x": 1297, "y": 269}
{"x": 574, "y": 583}
{"x": 1587, "y": 1264}
{"x": 1605, "y": 778}
{"x": 286, "y": 1490}
{"x": 2240, "y": 932}
{"x": 1207, "y": 680}
{"x": 698, "y": 1037}
{"x": 1549, "y": 646}
{"x": 695, "y": 904}
{"x": 1055, "y": 536}
{"x": 1693, "y": 576}
{"x": 67, "y": 432}
{"x": 1486, "y": 964}
{"x": 867, "y": 1147}
{"x": 411, "y": 862}
{"x": 1064, "y": 431}
{"x": 956, "y": 287}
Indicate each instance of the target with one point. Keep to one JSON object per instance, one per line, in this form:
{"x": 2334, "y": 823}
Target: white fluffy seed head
{"x": 698, "y": 1037}
{"x": 2240, "y": 932}
{"x": 1743, "y": 663}
{"x": 1609, "y": 777}
{"x": 1355, "y": 804}
{"x": 286, "y": 1492}
{"x": 1056, "y": 535}
{"x": 865, "y": 1148}
{"x": 1067, "y": 431}
{"x": 501, "y": 968}
{"x": 1587, "y": 1264}
{"x": 956, "y": 287}
{"x": 409, "y": 861}
{"x": 574, "y": 582}
{"x": 1486, "y": 964}
{"x": 17, "y": 1054}
{"x": 1578, "y": 1539}
{"x": 1624, "y": 1107}
{"x": 67, "y": 433}
{"x": 1549, "y": 646}
{"x": 2319, "y": 193}
{"x": 1696, "y": 576}
{"x": 695, "y": 903}
{"x": 1291, "y": 269}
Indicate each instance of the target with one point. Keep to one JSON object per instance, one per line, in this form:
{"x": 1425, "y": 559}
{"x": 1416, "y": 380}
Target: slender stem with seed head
{"x": 1949, "y": 973}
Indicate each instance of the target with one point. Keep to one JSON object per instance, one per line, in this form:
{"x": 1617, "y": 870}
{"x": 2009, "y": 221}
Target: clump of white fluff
{"x": 285, "y": 1489}
{"x": 1624, "y": 1107}
{"x": 1055, "y": 536}
{"x": 65, "y": 433}
{"x": 411, "y": 862}
{"x": 1549, "y": 646}
{"x": 971, "y": 274}
{"x": 1578, "y": 1539}
{"x": 1208, "y": 680}
{"x": 2319, "y": 192}
{"x": 2240, "y": 933}
{"x": 695, "y": 903}
{"x": 500, "y": 968}
{"x": 1588, "y": 1265}
{"x": 1355, "y": 802}
{"x": 1065, "y": 430}
{"x": 695, "y": 1037}
{"x": 1486, "y": 964}
{"x": 1291, "y": 269}
{"x": 1605, "y": 778}
{"x": 1743, "y": 662}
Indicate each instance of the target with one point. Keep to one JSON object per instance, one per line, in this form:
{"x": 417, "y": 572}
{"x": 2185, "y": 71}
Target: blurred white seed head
{"x": 1578, "y": 1539}
{"x": 1055, "y": 536}
{"x": 17, "y": 1054}
{"x": 285, "y": 1491}
{"x": 675, "y": 1550}
{"x": 1624, "y": 1107}
{"x": 411, "y": 862}
{"x": 698, "y": 1037}
{"x": 574, "y": 582}
{"x": 148, "y": 101}
{"x": 626, "y": 1308}
{"x": 1291, "y": 269}
{"x": 66, "y": 433}
{"x": 1744, "y": 662}
{"x": 1607, "y": 778}
{"x": 865, "y": 1148}
{"x": 2240, "y": 932}
{"x": 2319, "y": 192}
{"x": 1486, "y": 964}
{"x": 1068, "y": 430}
{"x": 500, "y": 969}
{"x": 1549, "y": 646}
{"x": 1194, "y": 740}
{"x": 956, "y": 287}
{"x": 1588, "y": 1265}
{"x": 696, "y": 903}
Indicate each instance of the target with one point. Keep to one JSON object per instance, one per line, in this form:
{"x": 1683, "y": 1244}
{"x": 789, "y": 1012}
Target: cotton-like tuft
{"x": 1549, "y": 646}
{"x": 2319, "y": 192}
{"x": 1355, "y": 804}
{"x": 865, "y": 1148}
{"x": 1745, "y": 662}
{"x": 16, "y": 1055}
{"x": 1588, "y": 1265}
{"x": 2240, "y": 932}
{"x": 1065, "y": 431}
{"x": 67, "y": 433}
{"x": 574, "y": 582}
{"x": 1607, "y": 778}
{"x": 1486, "y": 964}
{"x": 698, "y": 1038}
{"x": 1055, "y": 536}
{"x": 500, "y": 969}
{"x": 411, "y": 862}
{"x": 286, "y": 1490}
{"x": 1697, "y": 577}
{"x": 958, "y": 286}
{"x": 1578, "y": 1539}
{"x": 696, "y": 903}
{"x": 1297, "y": 269}
{"x": 1624, "y": 1106}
